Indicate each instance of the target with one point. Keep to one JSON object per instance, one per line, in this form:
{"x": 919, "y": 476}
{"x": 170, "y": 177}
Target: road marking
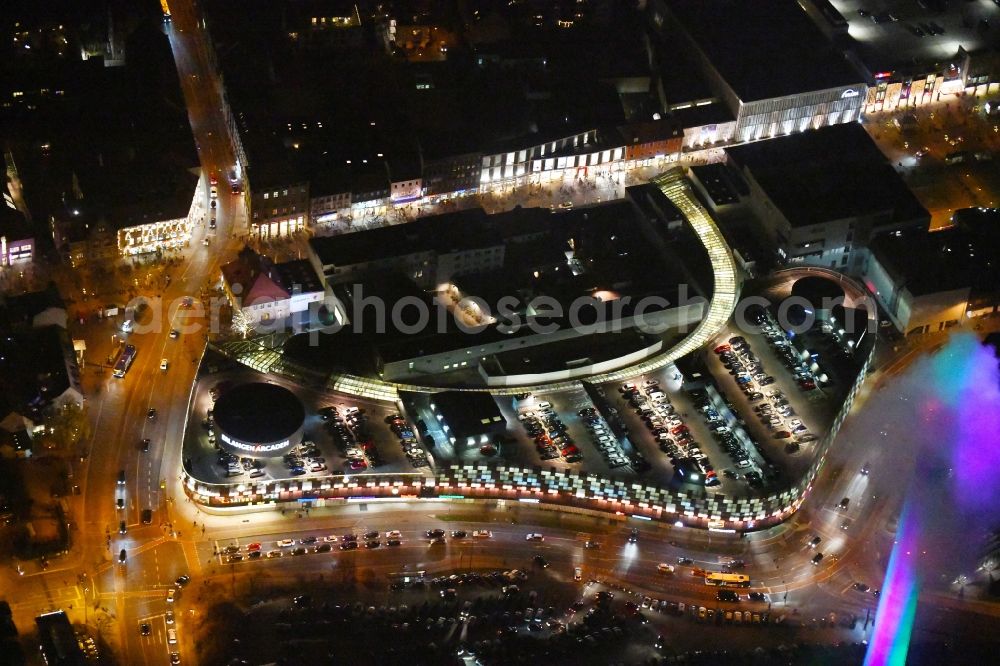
{"x": 192, "y": 562}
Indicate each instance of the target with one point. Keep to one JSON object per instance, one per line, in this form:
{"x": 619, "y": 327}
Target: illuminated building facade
{"x": 770, "y": 64}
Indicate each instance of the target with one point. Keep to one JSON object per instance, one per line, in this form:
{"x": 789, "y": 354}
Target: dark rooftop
{"x": 565, "y": 354}
{"x": 19, "y": 311}
{"x": 828, "y": 174}
{"x": 297, "y": 276}
{"x": 764, "y": 48}
{"x": 469, "y": 413}
{"x": 963, "y": 255}
{"x": 259, "y": 412}
{"x": 716, "y": 113}
{"x": 118, "y": 134}
{"x": 441, "y": 233}
{"x": 654, "y": 204}
{"x": 36, "y": 367}
{"x": 719, "y": 182}
{"x": 57, "y": 640}
{"x": 13, "y": 226}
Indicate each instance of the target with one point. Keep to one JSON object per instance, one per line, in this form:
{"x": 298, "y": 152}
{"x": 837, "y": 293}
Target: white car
{"x": 285, "y": 543}
{"x": 171, "y": 594}
{"x": 545, "y": 405}
{"x": 330, "y": 539}
{"x": 214, "y": 192}
{"x": 163, "y": 364}
{"x": 534, "y": 536}
{"x": 393, "y": 534}
{"x": 665, "y": 568}
{"x": 482, "y": 534}
{"x": 172, "y": 636}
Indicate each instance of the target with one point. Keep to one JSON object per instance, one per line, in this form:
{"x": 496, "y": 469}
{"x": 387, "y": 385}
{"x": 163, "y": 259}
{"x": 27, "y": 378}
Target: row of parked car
{"x": 350, "y": 432}
{"x": 236, "y": 466}
{"x": 720, "y": 616}
{"x": 777, "y": 414}
{"x": 744, "y": 366}
{"x": 681, "y": 609}
{"x": 408, "y": 440}
{"x": 312, "y": 544}
{"x": 603, "y": 438}
{"x": 724, "y": 434}
{"x": 789, "y": 356}
{"x": 661, "y": 418}
{"x": 739, "y": 358}
{"x": 450, "y": 582}
{"x": 304, "y": 458}
{"x": 550, "y": 434}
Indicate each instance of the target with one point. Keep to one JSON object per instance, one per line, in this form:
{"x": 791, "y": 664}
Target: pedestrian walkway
{"x": 191, "y": 558}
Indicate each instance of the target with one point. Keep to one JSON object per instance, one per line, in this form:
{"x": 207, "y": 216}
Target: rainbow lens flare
{"x": 898, "y": 604}
{"x": 952, "y": 400}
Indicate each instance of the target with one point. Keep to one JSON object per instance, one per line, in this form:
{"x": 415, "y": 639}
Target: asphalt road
{"x": 135, "y": 591}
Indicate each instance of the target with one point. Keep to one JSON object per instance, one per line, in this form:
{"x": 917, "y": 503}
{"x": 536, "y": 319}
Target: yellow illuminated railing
{"x": 674, "y": 185}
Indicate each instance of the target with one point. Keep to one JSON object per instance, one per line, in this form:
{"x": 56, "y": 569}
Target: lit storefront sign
{"x": 253, "y": 448}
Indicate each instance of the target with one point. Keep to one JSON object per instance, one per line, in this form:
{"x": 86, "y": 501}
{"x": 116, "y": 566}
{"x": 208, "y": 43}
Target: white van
{"x": 127, "y": 326}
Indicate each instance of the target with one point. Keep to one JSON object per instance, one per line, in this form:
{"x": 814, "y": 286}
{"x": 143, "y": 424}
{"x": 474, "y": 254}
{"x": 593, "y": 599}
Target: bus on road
{"x": 124, "y": 361}
{"x": 727, "y": 580}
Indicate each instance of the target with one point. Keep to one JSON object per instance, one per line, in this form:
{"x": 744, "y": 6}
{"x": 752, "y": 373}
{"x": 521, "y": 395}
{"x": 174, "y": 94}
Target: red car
{"x": 807, "y": 385}
{"x": 569, "y": 450}
{"x": 253, "y": 547}
{"x": 676, "y": 430}
{"x": 722, "y": 348}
